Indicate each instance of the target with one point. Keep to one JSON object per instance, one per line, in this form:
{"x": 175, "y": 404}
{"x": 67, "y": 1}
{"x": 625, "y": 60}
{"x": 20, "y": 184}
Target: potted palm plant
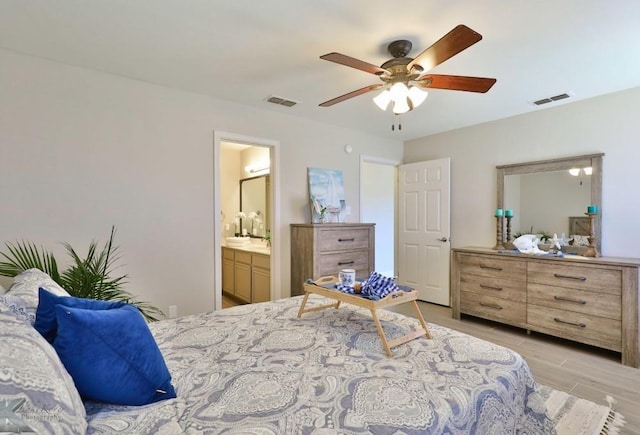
{"x": 89, "y": 277}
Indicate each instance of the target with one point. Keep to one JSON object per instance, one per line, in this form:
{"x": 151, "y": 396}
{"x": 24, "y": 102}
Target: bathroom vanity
{"x": 246, "y": 273}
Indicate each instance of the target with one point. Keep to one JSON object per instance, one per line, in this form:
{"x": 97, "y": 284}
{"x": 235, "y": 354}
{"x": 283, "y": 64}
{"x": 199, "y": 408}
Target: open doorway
{"x": 378, "y": 184}
{"x": 239, "y": 158}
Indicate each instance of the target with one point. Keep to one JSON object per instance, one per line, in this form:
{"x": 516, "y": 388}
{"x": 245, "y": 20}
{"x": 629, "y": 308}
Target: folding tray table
{"x": 325, "y": 287}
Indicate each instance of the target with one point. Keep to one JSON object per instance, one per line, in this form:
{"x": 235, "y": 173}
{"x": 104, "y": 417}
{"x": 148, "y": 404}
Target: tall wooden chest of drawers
{"x": 589, "y": 300}
{"x": 324, "y": 249}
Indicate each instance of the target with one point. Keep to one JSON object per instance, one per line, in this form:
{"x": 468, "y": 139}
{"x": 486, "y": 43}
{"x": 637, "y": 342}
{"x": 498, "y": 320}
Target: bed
{"x": 259, "y": 369}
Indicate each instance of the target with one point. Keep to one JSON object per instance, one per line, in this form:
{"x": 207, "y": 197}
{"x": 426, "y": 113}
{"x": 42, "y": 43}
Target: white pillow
{"x": 35, "y": 383}
{"x": 22, "y": 296}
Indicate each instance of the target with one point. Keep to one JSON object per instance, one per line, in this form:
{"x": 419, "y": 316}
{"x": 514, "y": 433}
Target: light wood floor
{"x": 228, "y": 302}
{"x": 581, "y": 370}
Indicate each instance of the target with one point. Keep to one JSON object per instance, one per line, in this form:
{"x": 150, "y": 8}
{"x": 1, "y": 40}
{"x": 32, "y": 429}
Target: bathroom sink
{"x": 238, "y": 241}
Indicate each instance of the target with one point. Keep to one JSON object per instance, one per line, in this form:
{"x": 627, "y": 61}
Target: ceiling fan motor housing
{"x": 397, "y": 70}
{"x": 399, "y": 48}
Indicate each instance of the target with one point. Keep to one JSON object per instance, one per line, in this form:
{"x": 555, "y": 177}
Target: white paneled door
{"x": 424, "y": 228}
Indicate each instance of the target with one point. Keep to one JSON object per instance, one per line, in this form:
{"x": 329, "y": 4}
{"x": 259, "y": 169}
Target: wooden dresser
{"x": 324, "y": 249}
{"x": 589, "y": 300}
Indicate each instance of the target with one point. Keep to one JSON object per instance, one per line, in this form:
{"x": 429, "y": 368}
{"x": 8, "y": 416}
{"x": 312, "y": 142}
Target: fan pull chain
{"x": 393, "y": 125}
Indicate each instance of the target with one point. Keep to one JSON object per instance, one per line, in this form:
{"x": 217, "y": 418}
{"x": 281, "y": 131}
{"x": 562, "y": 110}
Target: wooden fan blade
{"x": 353, "y": 63}
{"x": 456, "y": 83}
{"x": 351, "y": 95}
{"x": 458, "y": 39}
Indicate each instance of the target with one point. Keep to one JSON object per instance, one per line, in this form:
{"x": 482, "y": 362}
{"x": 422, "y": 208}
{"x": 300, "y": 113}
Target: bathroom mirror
{"x": 255, "y": 203}
{"x": 546, "y": 196}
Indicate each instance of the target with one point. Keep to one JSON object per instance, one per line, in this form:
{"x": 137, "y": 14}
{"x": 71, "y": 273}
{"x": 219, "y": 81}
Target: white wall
{"x": 81, "y": 150}
{"x": 605, "y": 124}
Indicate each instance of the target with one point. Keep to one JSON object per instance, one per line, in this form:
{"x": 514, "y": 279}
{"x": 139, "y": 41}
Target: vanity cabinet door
{"x": 228, "y": 271}
{"x": 261, "y": 284}
{"x": 260, "y": 278}
{"x": 243, "y": 276}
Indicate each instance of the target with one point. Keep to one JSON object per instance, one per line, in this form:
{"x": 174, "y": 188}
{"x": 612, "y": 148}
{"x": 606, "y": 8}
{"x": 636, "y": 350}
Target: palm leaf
{"x": 23, "y": 255}
{"x": 89, "y": 277}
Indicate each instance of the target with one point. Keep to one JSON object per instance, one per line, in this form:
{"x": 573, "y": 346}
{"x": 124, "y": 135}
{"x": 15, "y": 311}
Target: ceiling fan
{"x": 409, "y": 71}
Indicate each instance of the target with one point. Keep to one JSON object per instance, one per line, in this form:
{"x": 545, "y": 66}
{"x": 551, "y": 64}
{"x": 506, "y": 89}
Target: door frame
{"x": 275, "y": 257}
{"x": 389, "y": 162}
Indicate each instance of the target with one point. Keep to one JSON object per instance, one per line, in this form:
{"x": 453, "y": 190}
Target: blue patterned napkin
{"x": 375, "y": 287}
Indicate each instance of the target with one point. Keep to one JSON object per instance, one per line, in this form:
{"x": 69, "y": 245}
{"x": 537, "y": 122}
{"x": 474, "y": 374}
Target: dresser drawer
{"x": 602, "y": 280}
{"x": 584, "y": 328}
{"x": 343, "y": 239}
{"x": 494, "y": 287}
{"x": 515, "y": 270}
{"x": 493, "y": 308}
{"x": 580, "y": 301}
{"x": 331, "y": 264}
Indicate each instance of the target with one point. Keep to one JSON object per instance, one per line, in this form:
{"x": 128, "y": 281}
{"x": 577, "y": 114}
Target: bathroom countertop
{"x": 255, "y": 247}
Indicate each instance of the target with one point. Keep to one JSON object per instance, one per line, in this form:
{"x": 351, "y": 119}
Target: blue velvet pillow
{"x": 46, "y": 323}
{"x": 112, "y": 356}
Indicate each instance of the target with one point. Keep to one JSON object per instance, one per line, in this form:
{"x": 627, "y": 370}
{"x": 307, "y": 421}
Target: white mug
{"x": 347, "y": 277}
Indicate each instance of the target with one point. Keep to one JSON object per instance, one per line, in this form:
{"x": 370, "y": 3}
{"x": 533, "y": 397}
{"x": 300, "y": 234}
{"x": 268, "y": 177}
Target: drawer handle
{"x": 491, "y": 287}
{"x": 577, "y": 278}
{"x": 352, "y": 239}
{"x": 575, "y": 301}
{"x": 579, "y": 325}
{"x": 494, "y": 306}
{"x": 342, "y": 263}
{"x": 482, "y": 266}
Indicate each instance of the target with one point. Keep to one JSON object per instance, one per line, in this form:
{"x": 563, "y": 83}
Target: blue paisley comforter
{"x": 258, "y": 369}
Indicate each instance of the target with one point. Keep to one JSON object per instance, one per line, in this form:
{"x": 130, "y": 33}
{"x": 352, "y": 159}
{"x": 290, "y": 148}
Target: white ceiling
{"x": 247, "y": 50}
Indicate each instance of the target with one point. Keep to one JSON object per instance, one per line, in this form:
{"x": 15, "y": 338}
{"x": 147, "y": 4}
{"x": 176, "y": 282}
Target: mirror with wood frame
{"x": 552, "y": 196}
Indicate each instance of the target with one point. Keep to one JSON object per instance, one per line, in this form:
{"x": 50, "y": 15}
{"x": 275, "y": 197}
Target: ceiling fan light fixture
{"x": 588, "y": 170}
{"x": 574, "y": 171}
{"x": 404, "y": 98}
{"x": 399, "y": 91}
{"x": 401, "y": 106}
{"x": 383, "y": 99}
{"x": 417, "y": 95}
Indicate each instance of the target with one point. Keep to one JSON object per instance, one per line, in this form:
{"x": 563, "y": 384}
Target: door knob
{"x": 443, "y": 239}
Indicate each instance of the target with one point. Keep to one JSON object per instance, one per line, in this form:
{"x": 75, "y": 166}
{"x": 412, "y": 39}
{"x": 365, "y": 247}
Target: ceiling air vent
{"x": 281, "y": 101}
{"x": 551, "y": 99}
